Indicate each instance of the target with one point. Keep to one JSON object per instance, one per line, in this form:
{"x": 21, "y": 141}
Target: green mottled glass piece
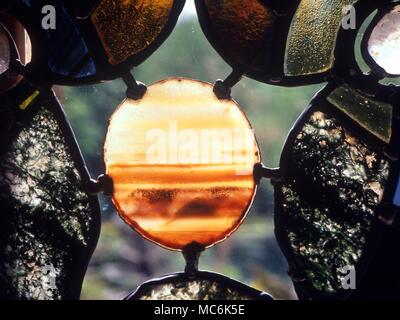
{"x": 312, "y": 36}
{"x": 193, "y": 290}
{"x": 372, "y": 115}
{"x": 328, "y": 201}
{"x": 46, "y": 220}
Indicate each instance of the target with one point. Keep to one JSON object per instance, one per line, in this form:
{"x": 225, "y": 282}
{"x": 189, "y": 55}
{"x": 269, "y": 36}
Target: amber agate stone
{"x": 182, "y": 163}
{"x": 127, "y": 27}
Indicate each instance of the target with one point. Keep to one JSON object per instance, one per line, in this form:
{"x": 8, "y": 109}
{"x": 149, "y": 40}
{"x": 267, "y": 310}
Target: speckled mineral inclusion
{"x": 162, "y": 154}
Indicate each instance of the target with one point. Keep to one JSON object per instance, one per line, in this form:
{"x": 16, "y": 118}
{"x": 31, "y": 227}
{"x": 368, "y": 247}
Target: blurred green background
{"x": 122, "y": 259}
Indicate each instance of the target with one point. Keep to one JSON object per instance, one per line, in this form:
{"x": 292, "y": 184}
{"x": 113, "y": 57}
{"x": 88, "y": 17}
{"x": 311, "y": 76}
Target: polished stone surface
{"x": 182, "y": 164}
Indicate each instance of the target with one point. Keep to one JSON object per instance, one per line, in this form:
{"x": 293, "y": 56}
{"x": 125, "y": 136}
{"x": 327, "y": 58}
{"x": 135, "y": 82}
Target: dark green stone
{"x": 48, "y": 226}
{"x": 329, "y": 200}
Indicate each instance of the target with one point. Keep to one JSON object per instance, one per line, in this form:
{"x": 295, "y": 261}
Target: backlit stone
{"x": 182, "y": 164}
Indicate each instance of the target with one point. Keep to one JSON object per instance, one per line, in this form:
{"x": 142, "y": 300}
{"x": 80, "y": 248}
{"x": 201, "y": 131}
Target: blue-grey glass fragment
{"x": 68, "y": 53}
{"x": 396, "y": 199}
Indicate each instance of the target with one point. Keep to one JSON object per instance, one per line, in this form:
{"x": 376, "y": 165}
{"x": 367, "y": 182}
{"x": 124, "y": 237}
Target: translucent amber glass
{"x": 182, "y": 164}
{"x": 127, "y": 27}
{"x": 384, "y": 42}
{"x": 244, "y": 27}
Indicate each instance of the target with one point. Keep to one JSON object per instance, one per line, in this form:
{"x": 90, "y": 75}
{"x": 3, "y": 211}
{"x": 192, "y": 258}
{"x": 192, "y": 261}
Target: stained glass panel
{"x": 182, "y": 163}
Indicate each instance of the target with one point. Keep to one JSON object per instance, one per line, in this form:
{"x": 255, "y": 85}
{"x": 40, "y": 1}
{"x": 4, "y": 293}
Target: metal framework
{"x": 344, "y": 72}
